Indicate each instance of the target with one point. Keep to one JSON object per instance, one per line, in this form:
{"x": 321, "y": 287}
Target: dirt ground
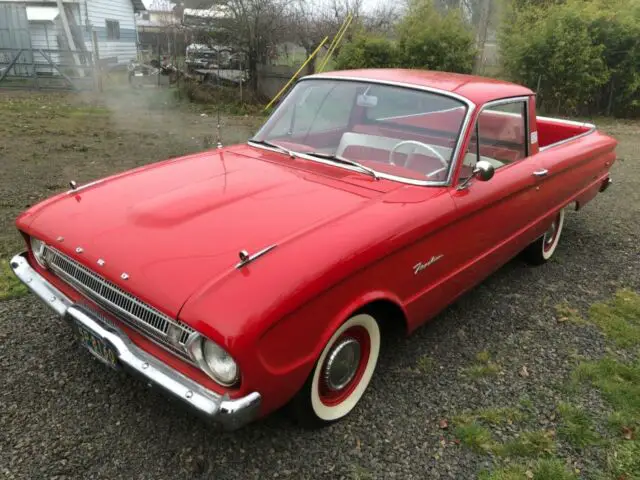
{"x": 48, "y": 139}
{"x": 533, "y": 374}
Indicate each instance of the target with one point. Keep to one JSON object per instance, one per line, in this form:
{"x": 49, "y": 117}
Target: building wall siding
{"x": 43, "y": 37}
{"x": 98, "y": 12}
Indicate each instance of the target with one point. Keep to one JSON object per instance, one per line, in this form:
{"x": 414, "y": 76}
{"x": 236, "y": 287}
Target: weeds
{"x": 10, "y": 286}
{"x": 543, "y": 469}
{"x": 619, "y": 319}
{"x": 484, "y": 367}
{"x": 425, "y": 364}
{"x": 576, "y": 426}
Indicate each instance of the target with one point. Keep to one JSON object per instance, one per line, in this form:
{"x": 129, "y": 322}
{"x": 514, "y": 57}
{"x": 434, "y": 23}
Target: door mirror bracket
{"x": 483, "y": 171}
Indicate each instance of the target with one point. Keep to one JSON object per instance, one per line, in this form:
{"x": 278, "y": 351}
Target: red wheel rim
{"x": 551, "y": 235}
{"x": 331, "y": 396}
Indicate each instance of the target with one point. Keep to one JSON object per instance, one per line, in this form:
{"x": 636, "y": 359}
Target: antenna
{"x": 219, "y": 99}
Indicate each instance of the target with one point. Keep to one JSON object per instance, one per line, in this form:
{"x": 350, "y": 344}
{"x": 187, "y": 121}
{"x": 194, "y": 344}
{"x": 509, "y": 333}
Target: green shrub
{"x": 432, "y": 41}
{"x": 582, "y": 56}
{"x": 425, "y": 39}
{"x": 367, "y": 52}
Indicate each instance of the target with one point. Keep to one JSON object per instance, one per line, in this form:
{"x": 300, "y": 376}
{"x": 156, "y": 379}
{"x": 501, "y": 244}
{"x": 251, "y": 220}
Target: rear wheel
{"x": 543, "y": 248}
{"x": 341, "y": 374}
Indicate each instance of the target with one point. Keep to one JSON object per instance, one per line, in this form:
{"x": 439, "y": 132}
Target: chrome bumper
{"x": 231, "y": 414}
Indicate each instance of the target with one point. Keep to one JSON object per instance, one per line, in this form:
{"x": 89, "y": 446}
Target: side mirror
{"x": 483, "y": 171}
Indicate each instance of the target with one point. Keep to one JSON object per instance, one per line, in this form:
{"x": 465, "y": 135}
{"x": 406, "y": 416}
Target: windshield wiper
{"x": 346, "y": 161}
{"x": 280, "y": 148}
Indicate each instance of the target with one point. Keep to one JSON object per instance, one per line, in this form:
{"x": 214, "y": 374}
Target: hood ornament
{"x": 246, "y": 258}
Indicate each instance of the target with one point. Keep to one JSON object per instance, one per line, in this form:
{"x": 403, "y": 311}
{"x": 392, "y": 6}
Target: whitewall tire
{"x": 543, "y": 248}
{"x": 342, "y": 373}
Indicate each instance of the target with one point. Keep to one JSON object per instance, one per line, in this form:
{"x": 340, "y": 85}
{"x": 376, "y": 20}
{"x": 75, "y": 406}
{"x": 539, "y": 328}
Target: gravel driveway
{"x": 64, "y": 415}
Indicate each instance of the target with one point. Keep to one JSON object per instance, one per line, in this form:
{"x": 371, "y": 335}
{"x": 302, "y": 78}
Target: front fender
{"x": 287, "y": 352}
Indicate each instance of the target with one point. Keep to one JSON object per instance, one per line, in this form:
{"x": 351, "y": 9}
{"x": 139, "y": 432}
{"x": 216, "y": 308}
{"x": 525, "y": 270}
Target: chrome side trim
{"x": 231, "y": 414}
{"x": 422, "y": 183}
{"x": 244, "y": 260}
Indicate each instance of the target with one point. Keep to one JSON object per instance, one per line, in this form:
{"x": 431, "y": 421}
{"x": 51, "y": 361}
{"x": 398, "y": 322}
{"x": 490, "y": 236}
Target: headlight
{"x": 213, "y": 360}
{"x": 37, "y": 247}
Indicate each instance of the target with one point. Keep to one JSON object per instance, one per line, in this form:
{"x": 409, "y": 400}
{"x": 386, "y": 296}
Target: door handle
{"x": 541, "y": 173}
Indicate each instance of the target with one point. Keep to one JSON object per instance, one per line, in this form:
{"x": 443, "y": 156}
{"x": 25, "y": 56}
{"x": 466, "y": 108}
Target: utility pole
{"x": 481, "y": 37}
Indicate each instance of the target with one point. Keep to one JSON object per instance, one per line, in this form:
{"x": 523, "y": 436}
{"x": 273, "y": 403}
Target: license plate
{"x": 139, "y": 74}
{"x": 98, "y": 347}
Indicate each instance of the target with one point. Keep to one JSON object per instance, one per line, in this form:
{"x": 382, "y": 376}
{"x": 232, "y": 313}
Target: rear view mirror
{"x": 483, "y": 171}
{"x": 367, "y": 101}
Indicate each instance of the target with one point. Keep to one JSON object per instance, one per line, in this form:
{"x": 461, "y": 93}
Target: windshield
{"x": 398, "y": 132}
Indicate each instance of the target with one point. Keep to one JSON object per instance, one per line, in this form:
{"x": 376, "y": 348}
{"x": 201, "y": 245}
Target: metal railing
{"x": 46, "y": 69}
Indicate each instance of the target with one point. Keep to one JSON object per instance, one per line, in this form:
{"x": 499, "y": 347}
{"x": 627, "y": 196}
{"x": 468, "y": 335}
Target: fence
{"x": 46, "y": 69}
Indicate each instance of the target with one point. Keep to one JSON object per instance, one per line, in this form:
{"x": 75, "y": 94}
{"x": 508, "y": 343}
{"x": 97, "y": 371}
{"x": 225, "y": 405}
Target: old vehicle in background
{"x": 252, "y": 276}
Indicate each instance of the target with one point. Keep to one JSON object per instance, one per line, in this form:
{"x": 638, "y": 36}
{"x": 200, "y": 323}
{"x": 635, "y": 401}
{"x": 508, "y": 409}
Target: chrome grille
{"x": 138, "y": 315}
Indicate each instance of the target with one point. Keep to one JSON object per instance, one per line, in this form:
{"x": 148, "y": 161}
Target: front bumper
{"x": 231, "y": 414}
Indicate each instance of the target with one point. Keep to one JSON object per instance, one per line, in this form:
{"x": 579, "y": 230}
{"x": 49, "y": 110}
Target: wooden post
{"x": 33, "y": 69}
{"x": 97, "y": 70}
{"x": 610, "y": 104}
{"x": 241, "y": 80}
{"x": 67, "y": 32}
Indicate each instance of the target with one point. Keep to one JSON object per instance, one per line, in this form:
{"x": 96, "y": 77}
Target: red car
{"x": 252, "y": 276}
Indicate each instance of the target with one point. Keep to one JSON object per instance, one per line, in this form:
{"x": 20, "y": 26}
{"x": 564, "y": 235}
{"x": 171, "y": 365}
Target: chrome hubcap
{"x": 342, "y": 364}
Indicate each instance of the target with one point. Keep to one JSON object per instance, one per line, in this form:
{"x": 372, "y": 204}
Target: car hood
{"x": 175, "y": 225}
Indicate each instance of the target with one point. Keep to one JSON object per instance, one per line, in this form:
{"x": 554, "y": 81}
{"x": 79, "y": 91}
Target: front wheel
{"x": 543, "y": 249}
{"x": 341, "y": 374}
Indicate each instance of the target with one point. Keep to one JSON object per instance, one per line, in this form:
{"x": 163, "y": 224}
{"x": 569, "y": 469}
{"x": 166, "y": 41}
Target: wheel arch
{"x": 391, "y": 315}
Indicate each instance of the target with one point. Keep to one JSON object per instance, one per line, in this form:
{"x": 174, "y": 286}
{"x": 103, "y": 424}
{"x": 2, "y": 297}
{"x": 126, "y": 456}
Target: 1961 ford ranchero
{"x": 248, "y": 277}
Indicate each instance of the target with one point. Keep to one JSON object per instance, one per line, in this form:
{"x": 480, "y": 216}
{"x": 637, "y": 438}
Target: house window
{"x": 145, "y": 16}
{"x": 113, "y": 29}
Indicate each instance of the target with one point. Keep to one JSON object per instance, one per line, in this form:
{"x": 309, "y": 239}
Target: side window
{"x": 313, "y": 113}
{"x": 113, "y": 29}
{"x": 499, "y": 136}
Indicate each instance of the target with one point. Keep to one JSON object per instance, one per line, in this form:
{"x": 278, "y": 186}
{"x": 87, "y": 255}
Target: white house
{"x": 114, "y": 22}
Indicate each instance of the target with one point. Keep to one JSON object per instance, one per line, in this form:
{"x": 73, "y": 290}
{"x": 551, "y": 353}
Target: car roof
{"x": 479, "y": 90}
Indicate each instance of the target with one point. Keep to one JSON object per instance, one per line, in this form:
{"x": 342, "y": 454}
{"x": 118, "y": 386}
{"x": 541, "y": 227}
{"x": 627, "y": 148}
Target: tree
{"x": 431, "y": 40}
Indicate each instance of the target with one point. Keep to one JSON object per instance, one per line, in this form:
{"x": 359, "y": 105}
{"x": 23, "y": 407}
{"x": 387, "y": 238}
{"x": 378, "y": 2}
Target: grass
{"x": 619, "y": 318}
{"x": 543, "y": 469}
{"x": 611, "y": 436}
{"x": 472, "y": 429}
{"x": 360, "y": 473}
{"x": 576, "y": 426}
{"x": 426, "y": 364}
{"x": 565, "y": 313}
{"x": 531, "y": 444}
{"x": 10, "y": 286}
{"x": 475, "y": 436}
{"x": 484, "y": 366}
{"x": 492, "y": 416}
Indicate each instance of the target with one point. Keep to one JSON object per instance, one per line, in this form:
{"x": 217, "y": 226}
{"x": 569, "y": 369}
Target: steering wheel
{"x": 416, "y": 144}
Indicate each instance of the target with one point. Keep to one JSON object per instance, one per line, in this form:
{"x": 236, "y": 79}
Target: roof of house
{"x": 138, "y": 6}
{"x": 42, "y": 14}
{"x": 479, "y": 90}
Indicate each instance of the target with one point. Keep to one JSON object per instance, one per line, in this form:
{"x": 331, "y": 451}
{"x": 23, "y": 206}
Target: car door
{"x": 496, "y": 218}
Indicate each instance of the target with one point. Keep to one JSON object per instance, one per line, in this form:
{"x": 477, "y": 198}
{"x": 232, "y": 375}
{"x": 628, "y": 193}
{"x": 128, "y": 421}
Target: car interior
{"x": 410, "y": 139}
